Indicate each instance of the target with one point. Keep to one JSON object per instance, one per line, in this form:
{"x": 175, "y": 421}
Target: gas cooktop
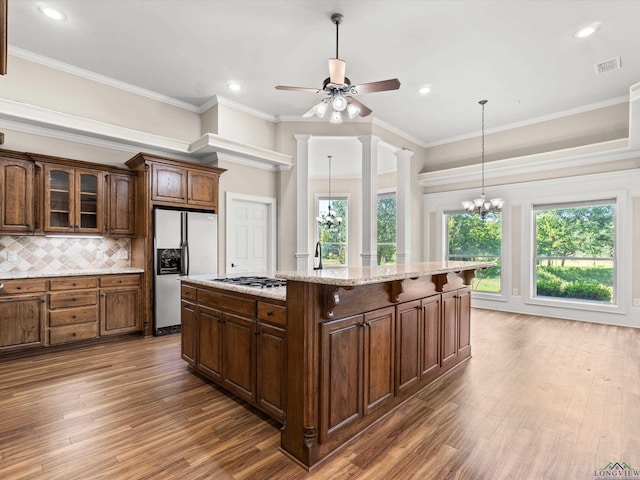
{"x": 254, "y": 282}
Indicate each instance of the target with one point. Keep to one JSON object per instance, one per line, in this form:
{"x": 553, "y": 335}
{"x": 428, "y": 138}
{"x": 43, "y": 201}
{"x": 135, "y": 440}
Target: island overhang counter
{"x": 360, "y": 341}
{"x": 353, "y": 344}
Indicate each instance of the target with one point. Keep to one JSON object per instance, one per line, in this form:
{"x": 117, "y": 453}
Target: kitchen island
{"x": 352, "y": 344}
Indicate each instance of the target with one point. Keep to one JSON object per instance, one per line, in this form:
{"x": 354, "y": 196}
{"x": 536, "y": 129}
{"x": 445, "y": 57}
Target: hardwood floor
{"x": 540, "y": 398}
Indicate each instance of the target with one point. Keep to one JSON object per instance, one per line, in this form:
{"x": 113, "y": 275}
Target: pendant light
{"x": 480, "y": 206}
{"x": 329, "y": 218}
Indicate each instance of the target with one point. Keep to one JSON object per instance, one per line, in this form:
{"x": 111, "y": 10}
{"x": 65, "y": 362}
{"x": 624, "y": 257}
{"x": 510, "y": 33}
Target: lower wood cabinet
{"x": 120, "y": 301}
{"x": 61, "y": 310}
{"x": 357, "y": 372}
{"x": 243, "y": 353}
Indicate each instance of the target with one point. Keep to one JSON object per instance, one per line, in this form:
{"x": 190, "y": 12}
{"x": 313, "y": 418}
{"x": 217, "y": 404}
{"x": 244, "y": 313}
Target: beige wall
{"x": 608, "y": 123}
{"x": 209, "y": 120}
{"x": 245, "y": 128}
{"x": 49, "y": 88}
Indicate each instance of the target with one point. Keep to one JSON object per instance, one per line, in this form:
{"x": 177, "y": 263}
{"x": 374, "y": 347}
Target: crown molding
{"x": 95, "y": 77}
{"x": 596, "y": 153}
{"x": 211, "y": 143}
{"x": 397, "y": 131}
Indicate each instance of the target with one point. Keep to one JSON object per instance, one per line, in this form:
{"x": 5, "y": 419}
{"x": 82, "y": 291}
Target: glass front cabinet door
{"x": 73, "y": 200}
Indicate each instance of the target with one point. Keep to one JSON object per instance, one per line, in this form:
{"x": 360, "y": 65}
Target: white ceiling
{"x": 520, "y": 55}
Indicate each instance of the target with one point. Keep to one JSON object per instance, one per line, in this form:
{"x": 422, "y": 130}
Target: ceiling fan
{"x": 338, "y": 89}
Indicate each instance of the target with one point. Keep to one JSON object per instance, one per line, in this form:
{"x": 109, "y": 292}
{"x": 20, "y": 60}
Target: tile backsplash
{"x": 28, "y": 253}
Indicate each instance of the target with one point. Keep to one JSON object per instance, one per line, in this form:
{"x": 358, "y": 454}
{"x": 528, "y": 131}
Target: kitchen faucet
{"x": 318, "y": 255}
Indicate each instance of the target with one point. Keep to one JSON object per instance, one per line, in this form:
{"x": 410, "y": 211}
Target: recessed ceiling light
{"x": 234, "y": 86}
{"x": 424, "y": 90}
{"x": 51, "y": 12}
{"x": 587, "y": 30}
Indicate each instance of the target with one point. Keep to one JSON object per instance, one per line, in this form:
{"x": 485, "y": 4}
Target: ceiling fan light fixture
{"x": 337, "y": 69}
{"x": 353, "y": 110}
{"x": 336, "y": 117}
{"x": 339, "y": 103}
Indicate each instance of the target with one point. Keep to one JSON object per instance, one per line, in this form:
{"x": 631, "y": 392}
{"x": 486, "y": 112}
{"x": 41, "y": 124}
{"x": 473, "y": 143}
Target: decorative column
{"x": 369, "y": 199}
{"x": 302, "y": 208}
{"x": 403, "y": 207}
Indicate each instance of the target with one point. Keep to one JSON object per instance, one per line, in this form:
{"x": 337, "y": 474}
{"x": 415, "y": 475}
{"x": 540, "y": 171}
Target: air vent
{"x": 607, "y": 65}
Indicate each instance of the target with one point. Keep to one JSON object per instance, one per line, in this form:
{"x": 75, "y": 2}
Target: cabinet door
{"x": 340, "y": 375}
{"x": 209, "y": 334}
{"x": 120, "y": 310}
{"x": 168, "y": 184}
{"x": 121, "y": 204}
{"x": 238, "y": 340}
{"x": 89, "y": 200}
{"x": 408, "y": 346}
{"x": 270, "y": 381}
{"x": 22, "y": 321}
{"x": 202, "y": 189}
{"x": 188, "y": 332}
{"x": 378, "y": 363}
{"x": 59, "y": 215}
{"x": 16, "y": 185}
{"x": 464, "y": 322}
{"x": 430, "y": 338}
{"x": 449, "y": 329}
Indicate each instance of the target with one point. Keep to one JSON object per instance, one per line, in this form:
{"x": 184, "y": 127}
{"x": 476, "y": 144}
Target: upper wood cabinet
{"x": 178, "y": 183}
{"x": 73, "y": 200}
{"x": 16, "y": 192}
{"x": 121, "y": 190}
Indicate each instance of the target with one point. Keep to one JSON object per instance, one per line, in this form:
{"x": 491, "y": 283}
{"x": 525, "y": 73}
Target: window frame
{"x": 334, "y": 196}
{"x": 387, "y": 192}
{"x": 620, "y": 269}
{"x": 442, "y": 250}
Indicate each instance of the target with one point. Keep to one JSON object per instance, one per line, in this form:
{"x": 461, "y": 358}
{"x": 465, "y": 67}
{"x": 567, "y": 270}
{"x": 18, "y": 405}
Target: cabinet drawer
{"x": 73, "y": 283}
{"x": 272, "y": 313}
{"x": 73, "y": 299}
{"x": 72, "y": 316}
{"x": 72, "y": 333}
{"x": 23, "y": 286}
{"x": 119, "y": 280}
{"x": 228, "y": 303}
{"x": 188, "y": 293}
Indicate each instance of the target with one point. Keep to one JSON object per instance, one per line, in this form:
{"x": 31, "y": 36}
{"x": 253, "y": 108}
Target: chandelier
{"x": 329, "y": 218}
{"x": 480, "y": 206}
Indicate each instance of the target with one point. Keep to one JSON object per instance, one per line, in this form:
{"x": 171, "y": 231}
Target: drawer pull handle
{"x": 18, "y": 287}
{"x": 73, "y": 316}
{"x": 269, "y": 313}
{"x": 73, "y": 334}
{"x": 73, "y": 284}
{"x": 73, "y": 299}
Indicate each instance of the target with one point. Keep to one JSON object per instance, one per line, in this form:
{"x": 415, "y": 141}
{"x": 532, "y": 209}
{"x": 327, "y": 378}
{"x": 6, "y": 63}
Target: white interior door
{"x": 250, "y": 234}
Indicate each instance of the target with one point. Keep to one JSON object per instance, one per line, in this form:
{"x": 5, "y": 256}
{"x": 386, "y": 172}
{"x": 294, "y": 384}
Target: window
{"x": 473, "y": 238}
{"x": 575, "y": 251}
{"x": 386, "y": 228}
{"x": 334, "y": 240}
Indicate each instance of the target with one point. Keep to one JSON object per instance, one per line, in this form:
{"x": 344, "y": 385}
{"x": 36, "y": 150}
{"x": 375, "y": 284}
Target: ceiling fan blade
{"x": 381, "y": 86}
{"x": 364, "y": 110}
{"x": 298, "y": 89}
{"x": 337, "y": 68}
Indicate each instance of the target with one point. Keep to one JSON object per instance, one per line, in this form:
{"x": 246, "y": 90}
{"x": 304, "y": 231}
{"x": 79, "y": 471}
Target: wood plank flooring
{"x": 540, "y": 399}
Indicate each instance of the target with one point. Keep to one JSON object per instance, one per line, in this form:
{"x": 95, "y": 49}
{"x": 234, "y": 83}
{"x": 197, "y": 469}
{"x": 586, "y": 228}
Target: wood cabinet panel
{"x": 188, "y": 332}
{"x": 17, "y": 195}
{"x": 449, "y": 332}
{"x": 120, "y": 280}
{"x": 23, "y": 286}
{"x": 379, "y": 340}
{"x": 169, "y": 184}
{"x": 464, "y": 322}
{"x": 202, "y": 189}
{"x": 408, "y": 346}
{"x": 272, "y": 313}
{"x": 73, "y": 299}
{"x": 226, "y": 302}
{"x": 430, "y": 336}
{"x": 119, "y": 310}
{"x": 238, "y": 363}
{"x": 209, "y": 342}
{"x": 58, "y": 318}
{"x": 22, "y": 320}
{"x": 72, "y": 333}
{"x": 72, "y": 283}
{"x": 270, "y": 372}
{"x": 341, "y": 374}
{"x": 121, "y": 204}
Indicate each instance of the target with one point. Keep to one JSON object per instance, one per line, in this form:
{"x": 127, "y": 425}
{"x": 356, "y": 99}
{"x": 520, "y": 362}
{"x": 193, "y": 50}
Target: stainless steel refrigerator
{"x": 185, "y": 243}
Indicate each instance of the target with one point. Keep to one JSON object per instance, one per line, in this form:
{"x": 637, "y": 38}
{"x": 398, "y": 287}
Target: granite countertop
{"x": 68, "y": 273}
{"x": 351, "y": 277}
{"x": 208, "y": 280}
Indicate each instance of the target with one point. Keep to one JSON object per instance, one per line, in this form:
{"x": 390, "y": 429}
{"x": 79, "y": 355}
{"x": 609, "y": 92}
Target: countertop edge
{"x": 69, "y": 273}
